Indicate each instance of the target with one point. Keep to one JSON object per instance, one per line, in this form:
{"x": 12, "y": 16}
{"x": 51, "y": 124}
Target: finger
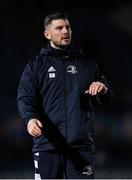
{"x": 36, "y": 125}
{"x": 34, "y": 132}
{"x": 91, "y": 88}
{"x": 37, "y": 129}
{"x": 101, "y": 87}
{"x": 98, "y": 88}
{"x": 95, "y": 89}
{"x": 39, "y": 124}
{"x": 30, "y": 131}
{"x": 37, "y": 133}
{"x": 87, "y": 91}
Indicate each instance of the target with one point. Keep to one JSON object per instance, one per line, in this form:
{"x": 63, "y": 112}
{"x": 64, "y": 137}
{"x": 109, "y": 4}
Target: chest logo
{"x": 71, "y": 69}
{"x": 51, "y": 72}
{"x": 51, "y": 69}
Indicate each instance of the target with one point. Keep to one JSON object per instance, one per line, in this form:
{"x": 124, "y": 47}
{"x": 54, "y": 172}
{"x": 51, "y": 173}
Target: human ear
{"x": 47, "y": 35}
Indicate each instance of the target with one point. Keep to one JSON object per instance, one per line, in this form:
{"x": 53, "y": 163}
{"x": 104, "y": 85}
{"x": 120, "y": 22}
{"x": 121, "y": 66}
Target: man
{"x": 55, "y": 100}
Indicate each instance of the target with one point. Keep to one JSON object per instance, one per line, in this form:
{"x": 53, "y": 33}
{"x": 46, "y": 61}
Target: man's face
{"x": 59, "y": 33}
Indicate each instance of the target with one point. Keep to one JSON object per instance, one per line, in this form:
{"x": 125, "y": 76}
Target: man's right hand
{"x": 34, "y": 127}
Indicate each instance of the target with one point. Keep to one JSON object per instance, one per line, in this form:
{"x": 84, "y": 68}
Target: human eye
{"x": 68, "y": 27}
{"x": 59, "y": 27}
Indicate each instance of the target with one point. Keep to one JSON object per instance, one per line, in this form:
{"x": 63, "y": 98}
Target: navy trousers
{"x": 53, "y": 165}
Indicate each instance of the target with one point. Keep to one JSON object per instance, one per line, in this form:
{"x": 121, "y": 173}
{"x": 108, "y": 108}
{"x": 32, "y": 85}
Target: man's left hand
{"x": 96, "y": 88}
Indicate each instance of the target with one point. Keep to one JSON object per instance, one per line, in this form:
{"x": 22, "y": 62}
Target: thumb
{"x": 87, "y": 91}
{"x": 39, "y": 123}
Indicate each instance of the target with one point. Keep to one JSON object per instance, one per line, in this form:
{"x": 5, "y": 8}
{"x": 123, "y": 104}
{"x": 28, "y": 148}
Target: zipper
{"x": 65, "y": 100}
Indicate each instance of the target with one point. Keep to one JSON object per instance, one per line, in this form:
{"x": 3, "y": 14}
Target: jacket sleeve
{"x": 104, "y": 99}
{"x": 27, "y": 97}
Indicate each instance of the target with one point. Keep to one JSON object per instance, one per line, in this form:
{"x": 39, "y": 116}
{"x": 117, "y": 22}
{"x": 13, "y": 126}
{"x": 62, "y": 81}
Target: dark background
{"x": 102, "y": 29}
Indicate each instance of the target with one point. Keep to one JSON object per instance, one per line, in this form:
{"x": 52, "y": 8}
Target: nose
{"x": 65, "y": 30}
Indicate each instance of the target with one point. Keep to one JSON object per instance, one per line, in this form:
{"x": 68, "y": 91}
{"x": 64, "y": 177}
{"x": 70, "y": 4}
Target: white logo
{"x": 51, "y": 75}
{"x": 51, "y": 69}
{"x": 51, "y": 72}
{"x": 87, "y": 170}
{"x": 71, "y": 69}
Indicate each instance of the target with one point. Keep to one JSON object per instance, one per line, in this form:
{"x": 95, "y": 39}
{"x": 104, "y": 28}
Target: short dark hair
{"x": 54, "y": 16}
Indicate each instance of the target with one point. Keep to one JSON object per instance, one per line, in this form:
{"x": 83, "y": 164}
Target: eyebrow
{"x": 60, "y": 26}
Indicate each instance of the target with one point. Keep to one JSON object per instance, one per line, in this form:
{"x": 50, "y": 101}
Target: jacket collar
{"x": 68, "y": 51}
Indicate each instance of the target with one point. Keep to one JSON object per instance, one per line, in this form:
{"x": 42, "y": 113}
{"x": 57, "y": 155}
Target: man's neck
{"x": 57, "y": 47}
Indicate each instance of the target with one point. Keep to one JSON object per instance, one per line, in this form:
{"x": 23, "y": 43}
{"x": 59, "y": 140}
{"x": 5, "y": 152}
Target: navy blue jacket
{"x": 52, "y": 89}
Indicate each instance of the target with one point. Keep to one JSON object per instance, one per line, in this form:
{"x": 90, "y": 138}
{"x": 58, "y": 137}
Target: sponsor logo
{"x": 51, "y": 72}
{"x": 51, "y": 69}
